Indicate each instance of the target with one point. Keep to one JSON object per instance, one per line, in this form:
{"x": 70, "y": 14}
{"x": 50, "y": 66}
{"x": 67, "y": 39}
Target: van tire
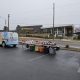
{"x": 14, "y": 46}
{"x": 3, "y": 44}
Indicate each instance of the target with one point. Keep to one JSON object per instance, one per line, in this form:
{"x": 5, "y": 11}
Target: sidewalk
{"x": 71, "y": 48}
{"x": 70, "y": 40}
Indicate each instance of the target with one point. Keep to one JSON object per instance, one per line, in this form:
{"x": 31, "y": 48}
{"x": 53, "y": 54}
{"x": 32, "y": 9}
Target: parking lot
{"x": 19, "y": 64}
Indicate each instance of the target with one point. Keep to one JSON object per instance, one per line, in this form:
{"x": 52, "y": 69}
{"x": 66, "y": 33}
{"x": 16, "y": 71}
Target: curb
{"x": 71, "y": 49}
{"x": 69, "y": 40}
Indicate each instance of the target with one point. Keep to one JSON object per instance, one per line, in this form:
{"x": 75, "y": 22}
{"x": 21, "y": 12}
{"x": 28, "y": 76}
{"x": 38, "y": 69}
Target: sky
{"x": 39, "y": 12}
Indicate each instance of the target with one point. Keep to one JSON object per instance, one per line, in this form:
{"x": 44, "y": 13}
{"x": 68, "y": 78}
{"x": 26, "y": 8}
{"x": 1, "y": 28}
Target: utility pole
{"x": 53, "y": 18}
{"x": 8, "y": 21}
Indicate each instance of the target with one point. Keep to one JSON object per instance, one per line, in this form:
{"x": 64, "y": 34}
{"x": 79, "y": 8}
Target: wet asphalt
{"x": 19, "y": 64}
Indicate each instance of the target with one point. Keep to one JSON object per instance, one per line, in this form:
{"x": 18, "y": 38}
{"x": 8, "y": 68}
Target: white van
{"x": 8, "y": 39}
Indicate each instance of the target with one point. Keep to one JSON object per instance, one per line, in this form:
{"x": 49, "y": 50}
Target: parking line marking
{"x": 33, "y": 59}
{"x": 78, "y": 70}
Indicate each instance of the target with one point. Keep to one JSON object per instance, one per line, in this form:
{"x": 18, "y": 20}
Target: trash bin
{"x": 36, "y": 48}
{"x": 41, "y": 49}
{"x": 52, "y": 50}
{"x": 32, "y": 47}
{"x": 46, "y": 49}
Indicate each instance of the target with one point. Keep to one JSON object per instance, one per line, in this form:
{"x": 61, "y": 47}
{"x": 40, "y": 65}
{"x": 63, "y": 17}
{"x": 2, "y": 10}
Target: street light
{"x": 53, "y": 18}
{"x": 8, "y": 21}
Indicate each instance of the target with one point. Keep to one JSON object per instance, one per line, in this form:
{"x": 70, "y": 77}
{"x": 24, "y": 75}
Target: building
{"x": 6, "y": 28}
{"x": 1, "y": 30}
{"x": 61, "y": 30}
{"x": 28, "y": 29}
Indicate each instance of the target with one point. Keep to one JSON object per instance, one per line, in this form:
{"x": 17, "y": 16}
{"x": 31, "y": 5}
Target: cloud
{"x": 40, "y": 12}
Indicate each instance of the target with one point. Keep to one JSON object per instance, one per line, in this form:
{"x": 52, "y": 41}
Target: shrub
{"x": 78, "y": 37}
{"x": 59, "y": 37}
{"x": 67, "y": 46}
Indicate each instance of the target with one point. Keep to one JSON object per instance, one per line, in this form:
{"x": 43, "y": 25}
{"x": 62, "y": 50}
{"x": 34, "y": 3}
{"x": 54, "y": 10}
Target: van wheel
{"x": 14, "y": 46}
{"x": 3, "y": 44}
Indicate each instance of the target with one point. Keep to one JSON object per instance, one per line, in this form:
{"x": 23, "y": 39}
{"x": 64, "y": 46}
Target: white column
{"x": 57, "y": 31}
{"x": 64, "y": 31}
{"x": 51, "y": 30}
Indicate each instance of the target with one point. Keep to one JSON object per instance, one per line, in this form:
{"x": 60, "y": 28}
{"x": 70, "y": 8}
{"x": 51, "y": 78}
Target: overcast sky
{"x": 35, "y": 12}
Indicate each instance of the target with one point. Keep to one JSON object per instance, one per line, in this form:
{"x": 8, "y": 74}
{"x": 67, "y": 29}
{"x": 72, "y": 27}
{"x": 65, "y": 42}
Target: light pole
{"x": 8, "y": 21}
{"x": 53, "y": 18}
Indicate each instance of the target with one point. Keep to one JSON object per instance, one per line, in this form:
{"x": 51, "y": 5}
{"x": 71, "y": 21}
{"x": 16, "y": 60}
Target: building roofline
{"x": 61, "y": 25}
{"x": 31, "y": 26}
